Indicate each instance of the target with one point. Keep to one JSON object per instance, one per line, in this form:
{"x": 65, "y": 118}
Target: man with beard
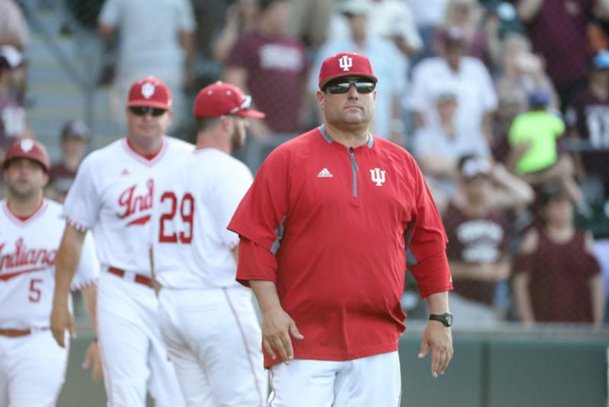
{"x": 208, "y": 319}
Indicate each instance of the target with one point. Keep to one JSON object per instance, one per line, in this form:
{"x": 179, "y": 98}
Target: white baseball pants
{"x": 214, "y": 340}
{"x": 364, "y": 382}
{"x": 134, "y": 355}
{"x": 32, "y": 370}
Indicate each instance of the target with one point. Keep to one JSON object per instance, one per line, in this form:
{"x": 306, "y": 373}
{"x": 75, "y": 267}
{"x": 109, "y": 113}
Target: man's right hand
{"x": 61, "y": 320}
{"x": 277, "y": 329}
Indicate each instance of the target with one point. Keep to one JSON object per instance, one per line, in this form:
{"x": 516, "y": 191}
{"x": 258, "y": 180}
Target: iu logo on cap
{"x": 345, "y": 62}
{"x": 148, "y": 90}
{"x": 26, "y": 145}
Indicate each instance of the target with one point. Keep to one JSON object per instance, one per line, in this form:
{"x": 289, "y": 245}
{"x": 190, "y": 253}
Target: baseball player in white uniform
{"x": 32, "y": 365}
{"x": 113, "y": 195}
{"x": 208, "y": 320}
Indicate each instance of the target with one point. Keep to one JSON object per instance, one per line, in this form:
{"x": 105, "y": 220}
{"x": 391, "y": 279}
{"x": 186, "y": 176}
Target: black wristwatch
{"x": 446, "y": 318}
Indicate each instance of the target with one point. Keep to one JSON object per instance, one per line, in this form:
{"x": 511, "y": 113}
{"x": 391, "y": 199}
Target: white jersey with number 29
{"x": 193, "y": 205}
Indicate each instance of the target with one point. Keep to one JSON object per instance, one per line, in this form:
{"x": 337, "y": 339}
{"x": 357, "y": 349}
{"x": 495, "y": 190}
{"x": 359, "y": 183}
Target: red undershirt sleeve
{"x": 432, "y": 274}
{"x": 255, "y": 263}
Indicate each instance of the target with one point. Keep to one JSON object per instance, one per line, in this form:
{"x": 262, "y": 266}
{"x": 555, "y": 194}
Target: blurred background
{"x": 504, "y": 105}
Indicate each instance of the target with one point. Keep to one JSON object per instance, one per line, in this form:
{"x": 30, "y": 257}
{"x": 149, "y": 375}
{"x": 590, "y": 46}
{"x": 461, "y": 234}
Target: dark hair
{"x": 550, "y": 191}
{"x": 263, "y": 5}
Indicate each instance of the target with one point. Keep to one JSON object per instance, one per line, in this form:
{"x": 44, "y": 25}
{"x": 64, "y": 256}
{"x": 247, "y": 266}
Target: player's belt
{"x": 16, "y": 333}
{"x": 138, "y": 278}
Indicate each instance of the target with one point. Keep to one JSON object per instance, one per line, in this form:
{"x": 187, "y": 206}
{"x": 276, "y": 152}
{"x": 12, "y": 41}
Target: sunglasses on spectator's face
{"x": 143, "y": 110}
{"x": 343, "y": 86}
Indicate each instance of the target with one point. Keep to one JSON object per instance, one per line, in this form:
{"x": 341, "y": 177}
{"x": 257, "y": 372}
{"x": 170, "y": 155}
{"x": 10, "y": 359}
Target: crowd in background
{"x": 504, "y": 104}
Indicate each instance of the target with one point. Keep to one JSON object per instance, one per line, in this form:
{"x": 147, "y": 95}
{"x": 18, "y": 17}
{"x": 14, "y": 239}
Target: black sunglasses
{"x": 143, "y": 110}
{"x": 343, "y": 86}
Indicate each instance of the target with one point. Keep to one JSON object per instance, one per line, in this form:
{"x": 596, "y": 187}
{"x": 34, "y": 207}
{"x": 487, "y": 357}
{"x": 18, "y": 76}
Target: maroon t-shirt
{"x": 560, "y": 279}
{"x": 276, "y": 68}
{"x": 558, "y": 33}
{"x": 61, "y": 178}
{"x": 475, "y": 240}
{"x": 590, "y": 116}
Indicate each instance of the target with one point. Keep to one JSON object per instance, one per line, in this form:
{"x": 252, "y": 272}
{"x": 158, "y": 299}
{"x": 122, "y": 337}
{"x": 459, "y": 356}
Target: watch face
{"x": 449, "y": 319}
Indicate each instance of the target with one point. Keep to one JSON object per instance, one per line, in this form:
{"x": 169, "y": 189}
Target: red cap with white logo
{"x": 222, "y": 99}
{"x": 345, "y": 64}
{"x": 151, "y": 92}
{"x": 28, "y": 148}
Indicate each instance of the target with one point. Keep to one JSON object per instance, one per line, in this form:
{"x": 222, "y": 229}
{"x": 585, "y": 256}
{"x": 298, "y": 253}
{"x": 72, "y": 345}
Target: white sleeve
{"x": 186, "y": 18}
{"x": 88, "y": 269}
{"x": 228, "y": 194}
{"x": 409, "y": 28}
{"x": 82, "y": 205}
{"x": 488, "y": 94}
{"x": 419, "y": 98}
{"x": 110, "y": 13}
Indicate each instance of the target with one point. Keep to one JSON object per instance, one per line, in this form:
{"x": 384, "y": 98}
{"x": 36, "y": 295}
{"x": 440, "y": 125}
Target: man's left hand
{"x": 439, "y": 339}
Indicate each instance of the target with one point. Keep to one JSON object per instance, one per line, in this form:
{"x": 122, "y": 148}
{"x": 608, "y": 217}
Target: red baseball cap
{"x": 28, "y": 148}
{"x": 222, "y": 99}
{"x": 151, "y": 92}
{"x": 345, "y": 64}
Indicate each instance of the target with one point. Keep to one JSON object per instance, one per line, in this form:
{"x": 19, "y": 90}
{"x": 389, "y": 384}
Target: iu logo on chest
{"x": 135, "y": 203}
{"x": 377, "y": 176}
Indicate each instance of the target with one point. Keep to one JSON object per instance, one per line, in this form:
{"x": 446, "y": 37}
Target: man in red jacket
{"x": 326, "y": 230}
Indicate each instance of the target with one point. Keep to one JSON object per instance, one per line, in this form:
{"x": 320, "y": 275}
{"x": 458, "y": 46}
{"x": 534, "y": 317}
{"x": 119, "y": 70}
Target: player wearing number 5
{"x": 207, "y": 318}
{"x": 32, "y": 365}
{"x": 113, "y": 196}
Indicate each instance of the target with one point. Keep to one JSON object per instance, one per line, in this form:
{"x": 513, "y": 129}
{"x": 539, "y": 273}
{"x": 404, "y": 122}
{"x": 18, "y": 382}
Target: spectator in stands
{"x": 438, "y": 147}
{"x": 272, "y": 66}
{"x": 428, "y": 15}
{"x": 478, "y": 236}
{"x": 535, "y": 154}
{"x": 388, "y": 19}
{"x": 74, "y": 141}
{"x": 309, "y": 21}
{"x": 557, "y": 30}
{"x": 240, "y": 18}
{"x": 12, "y": 112}
{"x": 387, "y": 62}
{"x": 13, "y": 27}
{"x": 156, "y": 37}
{"x": 557, "y": 277}
{"x": 481, "y": 39}
{"x": 522, "y": 72}
{"x": 469, "y": 77}
{"x": 588, "y": 121}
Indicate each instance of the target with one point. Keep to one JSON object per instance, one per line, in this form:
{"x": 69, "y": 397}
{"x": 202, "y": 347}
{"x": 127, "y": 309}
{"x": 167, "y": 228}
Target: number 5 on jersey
{"x": 174, "y": 230}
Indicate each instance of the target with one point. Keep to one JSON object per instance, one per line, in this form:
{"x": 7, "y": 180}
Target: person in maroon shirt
{"x": 588, "y": 121}
{"x": 557, "y": 277}
{"x": 478, "y": 234}
{"x": 271, "y": 66}
{"x": 557, "y": 30}
{"x": 74, "y": 140}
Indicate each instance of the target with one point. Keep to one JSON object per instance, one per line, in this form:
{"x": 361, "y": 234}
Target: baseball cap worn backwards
{"x": 220, "y": 99}
{"x": 28, "y": 148}
{"x": 345, "y": 64}
{"x": 150, "y": 92}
